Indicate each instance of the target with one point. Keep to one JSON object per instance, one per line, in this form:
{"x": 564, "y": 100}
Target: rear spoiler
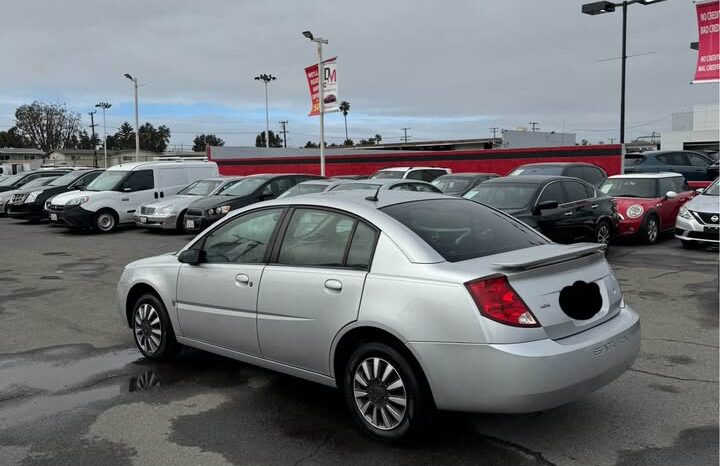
{"x": 546, "y": 255}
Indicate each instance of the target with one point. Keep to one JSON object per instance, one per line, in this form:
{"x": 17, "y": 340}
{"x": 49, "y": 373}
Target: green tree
{"x": 377, "y": 139}
{"x": 202, "y": 141}
{"x": 345, "y": 109}
{"x": 311, "y": 145}
{"x": 14, "y": 138}
{"x": 349, "y": 142}
{"x": 124, "y": 138}
{"x": 154, "y": 139}
{"x": 85, "y": 141}
{"x": 275, "y": 140}
{"x": 48, "y": 126}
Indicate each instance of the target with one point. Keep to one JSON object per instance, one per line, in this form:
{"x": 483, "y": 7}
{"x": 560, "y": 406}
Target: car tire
{"x": 391, "y": 382}
{"x": 180, "y": 225}
{"x": 152, "y": 330}
{"x": 690, "y": 244}
{"x": 650, "y": 230}
{"x": 105, "y": 221}
{"x": 603, "y": 234}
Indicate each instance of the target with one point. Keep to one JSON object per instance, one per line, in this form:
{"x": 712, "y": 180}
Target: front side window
{"x": 673, "y": 158}
{"x": 277, "y": 187}
{"x": 503, "y": 196}
{"x": 200, "y": 188}
{"x": 575, "y": 191}
{"x": 316, "y": 238}
{"x": 553, "y": 192}
{"x": 139, "y": 180}
{"x": 243, "y": 187}
{"x": 108, "y": 181}
{"x": 667, "y": 184}
{"x": 242, "y": 240}
{"x": 697, "y": 160}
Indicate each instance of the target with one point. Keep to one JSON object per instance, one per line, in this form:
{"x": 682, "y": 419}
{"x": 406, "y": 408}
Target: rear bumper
{"x": 692, "y": 230}
{"x": 25, "y": 211}
{"x": 532, "y": 376}
{"x": 75, "y": 217}
{"x": 160, "y": 222}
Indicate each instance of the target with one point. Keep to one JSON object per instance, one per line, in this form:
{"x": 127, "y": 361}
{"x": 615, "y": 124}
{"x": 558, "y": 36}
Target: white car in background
{"x": 698, "y": 221}
{"x": 411, "y": 173}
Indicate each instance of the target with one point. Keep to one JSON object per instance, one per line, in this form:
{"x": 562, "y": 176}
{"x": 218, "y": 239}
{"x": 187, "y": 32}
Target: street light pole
{"x": 104, "y": 106}
{"x": 137, "y": 122}
{"x": 320, "y": 41}
{"x": 266, "y": 78}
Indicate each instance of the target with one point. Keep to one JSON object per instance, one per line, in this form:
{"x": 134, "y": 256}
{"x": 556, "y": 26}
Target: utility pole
{"x": 284, "y": 132}
{"x": 104, "y": 106}
{"x": 405, "y": 137}
{"x": 92, "y": 128}
{"x": 494, "y": 130}
{"x": 534, "y": 125}
{"x": 612, "y": 140}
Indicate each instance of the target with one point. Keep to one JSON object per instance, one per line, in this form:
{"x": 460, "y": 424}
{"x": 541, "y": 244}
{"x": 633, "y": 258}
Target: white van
{"x": 113, "y": 197}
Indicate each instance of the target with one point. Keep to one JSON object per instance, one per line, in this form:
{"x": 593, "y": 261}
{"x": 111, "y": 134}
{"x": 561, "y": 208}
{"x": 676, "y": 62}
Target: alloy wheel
{"x": 148, "y": 328}
{"x": 106, "y": 221}
{"x": 380, "y": 393}
{"x": 603, "y": 234}
{"x": 652, "y": 230}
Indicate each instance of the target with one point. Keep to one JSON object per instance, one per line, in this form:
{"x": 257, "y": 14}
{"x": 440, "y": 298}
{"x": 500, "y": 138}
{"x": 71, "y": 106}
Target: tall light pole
{"x": 137, "y": 122}
{"x": 266, "y": 78}
{"x": 104, "y": 106}
{"x": 599, "y": 8}
{"x": 320, "y": 41}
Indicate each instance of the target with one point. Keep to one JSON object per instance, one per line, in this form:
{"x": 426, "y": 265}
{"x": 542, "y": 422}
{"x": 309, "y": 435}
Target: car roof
{"x": 529, "y": 179}
{"x": 404, "y": 169}
{"x": 385, "y": 181}
{"x": 556, "y": 164}
{"x": 648, "y": 175}
{"x": 159, "y": 164}
{"x": 466, "y": 174}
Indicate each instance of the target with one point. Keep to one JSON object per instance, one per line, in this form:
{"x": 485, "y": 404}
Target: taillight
{"x": 497, "y": 300}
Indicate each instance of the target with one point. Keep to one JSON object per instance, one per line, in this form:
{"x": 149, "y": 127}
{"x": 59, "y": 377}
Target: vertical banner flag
{"x": 708, "y": 62}
{"x": 330, "y": 87}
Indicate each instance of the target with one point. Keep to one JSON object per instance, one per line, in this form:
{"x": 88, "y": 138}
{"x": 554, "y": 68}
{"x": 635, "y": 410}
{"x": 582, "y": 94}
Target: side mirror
{"x": 546, "y": 205}
{"x": 74, "y": 188}
{"x": 670, "y": 194}
{"x": 190, "y": 256}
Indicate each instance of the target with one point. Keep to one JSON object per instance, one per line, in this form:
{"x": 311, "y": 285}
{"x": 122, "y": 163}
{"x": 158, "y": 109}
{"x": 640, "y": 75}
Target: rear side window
{"x": 417, "y": 175}
{"x": 140, "y": 180}
{"x": 460, "y": 229}
{"x": 361, "y": 247}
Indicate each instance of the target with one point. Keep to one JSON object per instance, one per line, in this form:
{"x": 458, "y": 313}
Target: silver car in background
{"x": 168, "y": 213}
{"x": 312, "y": 187}
{"x": 406, "y": 302}
{"x": 382, "y": 184}
{"x": 698, "y": 221}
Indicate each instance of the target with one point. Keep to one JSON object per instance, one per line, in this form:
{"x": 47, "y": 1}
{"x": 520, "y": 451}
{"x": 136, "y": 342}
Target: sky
{"x": 445, "y": 69}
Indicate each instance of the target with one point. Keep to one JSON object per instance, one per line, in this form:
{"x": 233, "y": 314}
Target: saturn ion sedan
{"x": 406, "y": 302}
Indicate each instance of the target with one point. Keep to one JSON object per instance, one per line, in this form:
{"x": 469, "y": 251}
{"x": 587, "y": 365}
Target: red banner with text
{"x": 708, "y": 62}
{"x": 330, "y": 87}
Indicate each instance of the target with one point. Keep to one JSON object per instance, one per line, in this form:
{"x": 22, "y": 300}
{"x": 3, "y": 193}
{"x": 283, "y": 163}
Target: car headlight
{"x": 166, "y": 210}
{"x": 47, "y": 204}
{"x": 222, "y": 210}
{"x": 635, "y": 210}
{"x": 33, "y": 195}
{"x": 685, "y": 213}
{"x": 78, "y": 200}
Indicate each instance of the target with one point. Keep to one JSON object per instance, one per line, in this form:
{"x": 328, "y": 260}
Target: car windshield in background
{"x": 200, "y": 188}
{"x": 38, "y": 182}
{"x": 460, "y": 230}
{"x": 550, "y": 170}
{"x": 304, "y": 188}
{"x": 388, "y": 174}
{"x": 66, "y": 179}
{"x": 630, "y": 187}
{"x": 355, "y": 186}
{"x": 452, "y": 185}
{"x": 107, "y": 181}
{"x": 243, "y": 187}
{"x": 630, "y": 160}
{"x": 10, "y": 180}
{"x": 503, "y": 196}
{"x": 712, "y": 190}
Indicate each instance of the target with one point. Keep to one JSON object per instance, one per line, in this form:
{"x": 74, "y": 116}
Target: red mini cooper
{"x": 647, "y": 202}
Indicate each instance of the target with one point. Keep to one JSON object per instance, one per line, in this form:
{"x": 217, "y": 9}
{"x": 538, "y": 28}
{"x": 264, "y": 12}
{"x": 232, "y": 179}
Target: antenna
{"x": 374, "y": 197}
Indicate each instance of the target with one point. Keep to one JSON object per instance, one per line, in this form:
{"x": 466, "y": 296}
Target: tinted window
{"x": 39, "y": 182}
{"x": 589, "y": 191}
{"x": 630, "y": 187}
{"x": 66, "y": 179}
{"x": 390, "y": 174}
{"x": 575, "y": 191}
{"x": 277, "y": 187}
{"x": 434, "y": 174}
{"x": 138, "y": 181}
{"x": 550, "y": 170}
{"x": 417, "y": 175}
{"x": 361, "y": 247}
{"x": 576, "y": 172}
{"x": 316, "y": 238}
{"x": 452, "y": 184}
{"x": 553, "y": 192}
{"x": 243, "y": 239}
{"x": 243, "y": 187}
{"x": 673, "y": 158}
{"x": 697, "y": 160}
{"x": 594, "y": 176}
{"x": 86, "y": 180}
{"x": 503, "y": 196}
{"x": 667, "y": 184}
{"x": 403, "y": 187}
{"x": 107, "y": 181}
{"x": 425, "y": 188}
{"x": 200, "y": 188}
{"x": 460, "y": 230}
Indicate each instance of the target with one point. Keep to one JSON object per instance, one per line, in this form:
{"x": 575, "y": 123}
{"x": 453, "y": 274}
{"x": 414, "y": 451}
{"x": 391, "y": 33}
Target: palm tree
{"x": 345, "y": 109}
{"x": 378, "y": 138}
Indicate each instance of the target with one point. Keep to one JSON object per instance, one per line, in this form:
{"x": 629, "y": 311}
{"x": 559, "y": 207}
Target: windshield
{"x": 10, "y": 180}
{"x": 459, "y": 230}
{"x": 452, "y": 185}
{"x": 39, "y": 182}
{"x": 242, "y": 187}
{"x": 107, "y": 181}
{"x": 503, "y": 196}
{"x": 712, "y": 190}
{"x": 303, "y": 188}
{"x": 355, "y": 186}
{"x": 200, "y": 188}
{"x": 630, "y": 187}
{"x": 67, "y": 179}
{"x": 388, "y": 174}
{"x": 550, "y": 170}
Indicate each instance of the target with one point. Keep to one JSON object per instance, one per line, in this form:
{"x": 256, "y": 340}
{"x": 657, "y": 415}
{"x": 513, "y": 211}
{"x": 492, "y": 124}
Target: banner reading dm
{"x": 330, "y": 87}
{"x": 708, "y": 62}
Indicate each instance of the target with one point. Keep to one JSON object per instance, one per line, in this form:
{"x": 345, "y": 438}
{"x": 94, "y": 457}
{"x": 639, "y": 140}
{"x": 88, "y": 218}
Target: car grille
{"x": 56, "y": 208}
{"x": 706, "y": 217}
{"x": 711, "y": 235}
{"x": 147, "y": 210}
{"x": 195, "y": 212}
{"x": 18, "y": 198}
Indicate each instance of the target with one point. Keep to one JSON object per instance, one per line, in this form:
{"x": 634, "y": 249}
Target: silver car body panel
{"x": 701, "y": 204}
{"x": 292, "y": 322}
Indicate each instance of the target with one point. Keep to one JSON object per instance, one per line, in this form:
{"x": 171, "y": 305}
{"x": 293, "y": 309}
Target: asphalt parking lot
{"x": 74, "y": 390}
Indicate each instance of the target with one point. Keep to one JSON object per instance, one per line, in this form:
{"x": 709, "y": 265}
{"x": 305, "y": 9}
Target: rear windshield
{"x": 355, "y": 186}
{"x": 452, "y": 184}
{"x": 630, "y": 187}
{"x": 550, "y": 170}
{"x": 243, "y": 187}
{"x": 38, "y": 182}
{"x": 460, "y": 230}
{"x": 200, "y": 188}
{"x": 388, "y": 174}
{"x": 67, "y": 178}
{"x": 503, "y": 196}
{"x": 303, "y": 188}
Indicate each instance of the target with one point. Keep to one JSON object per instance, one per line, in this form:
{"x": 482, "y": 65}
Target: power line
{"x": 405, "y": 137}
{"x": 284, "y": 132}
{"x": 534, "y": 125}
{"x": 494, "y": 130}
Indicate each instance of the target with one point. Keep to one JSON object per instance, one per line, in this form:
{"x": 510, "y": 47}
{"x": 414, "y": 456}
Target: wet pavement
{"x": 74, "y": 390}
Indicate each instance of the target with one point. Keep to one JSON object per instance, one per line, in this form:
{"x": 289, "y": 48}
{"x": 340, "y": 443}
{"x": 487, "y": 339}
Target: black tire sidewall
{"x": 168, "y": 343}
{"x": 180, "y": 224}
{"x": 418, "y": 407}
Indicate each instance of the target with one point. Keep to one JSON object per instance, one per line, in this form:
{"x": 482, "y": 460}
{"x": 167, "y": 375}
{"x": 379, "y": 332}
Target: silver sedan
{"x": 406, "y": 302}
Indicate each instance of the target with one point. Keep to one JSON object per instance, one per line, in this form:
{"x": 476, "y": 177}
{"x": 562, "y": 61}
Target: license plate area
{"x": 189, "y": 224}
{"x": 53, "y": 217}
{"x": 143, "y": 219}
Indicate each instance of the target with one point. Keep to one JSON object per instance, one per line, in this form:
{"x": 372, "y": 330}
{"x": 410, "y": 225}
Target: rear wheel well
{"x": 354, "y": 338}
{"x": 134, "y": 294}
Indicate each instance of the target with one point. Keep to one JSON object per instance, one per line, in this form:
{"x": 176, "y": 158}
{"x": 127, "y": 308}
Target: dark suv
{"x": 14, "y": 182}
{"x": 694, "y": 166}
{"x": 585, "y": 171}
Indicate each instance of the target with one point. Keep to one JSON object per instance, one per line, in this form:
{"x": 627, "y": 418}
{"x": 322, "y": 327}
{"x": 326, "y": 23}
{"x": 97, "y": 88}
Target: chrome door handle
{"x": 335, "y": 285}
{"x": 242, "y": 279}
{"x": 567, "y": 214}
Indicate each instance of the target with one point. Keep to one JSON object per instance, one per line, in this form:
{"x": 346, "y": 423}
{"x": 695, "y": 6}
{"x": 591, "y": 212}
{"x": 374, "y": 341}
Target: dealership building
{"x": 695, "y": 130}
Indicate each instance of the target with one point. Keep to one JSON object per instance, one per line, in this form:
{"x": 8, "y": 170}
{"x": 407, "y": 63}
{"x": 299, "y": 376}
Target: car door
{"x": 697, "y": 168}
{"x": 137, "y": 188}
{"x": 584, "y": 210}
{"x": 217, "y": 298}
{"x": 556, "y": 223}
{"x": 313, "y": 287}
{"x": 668, "y": 208}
